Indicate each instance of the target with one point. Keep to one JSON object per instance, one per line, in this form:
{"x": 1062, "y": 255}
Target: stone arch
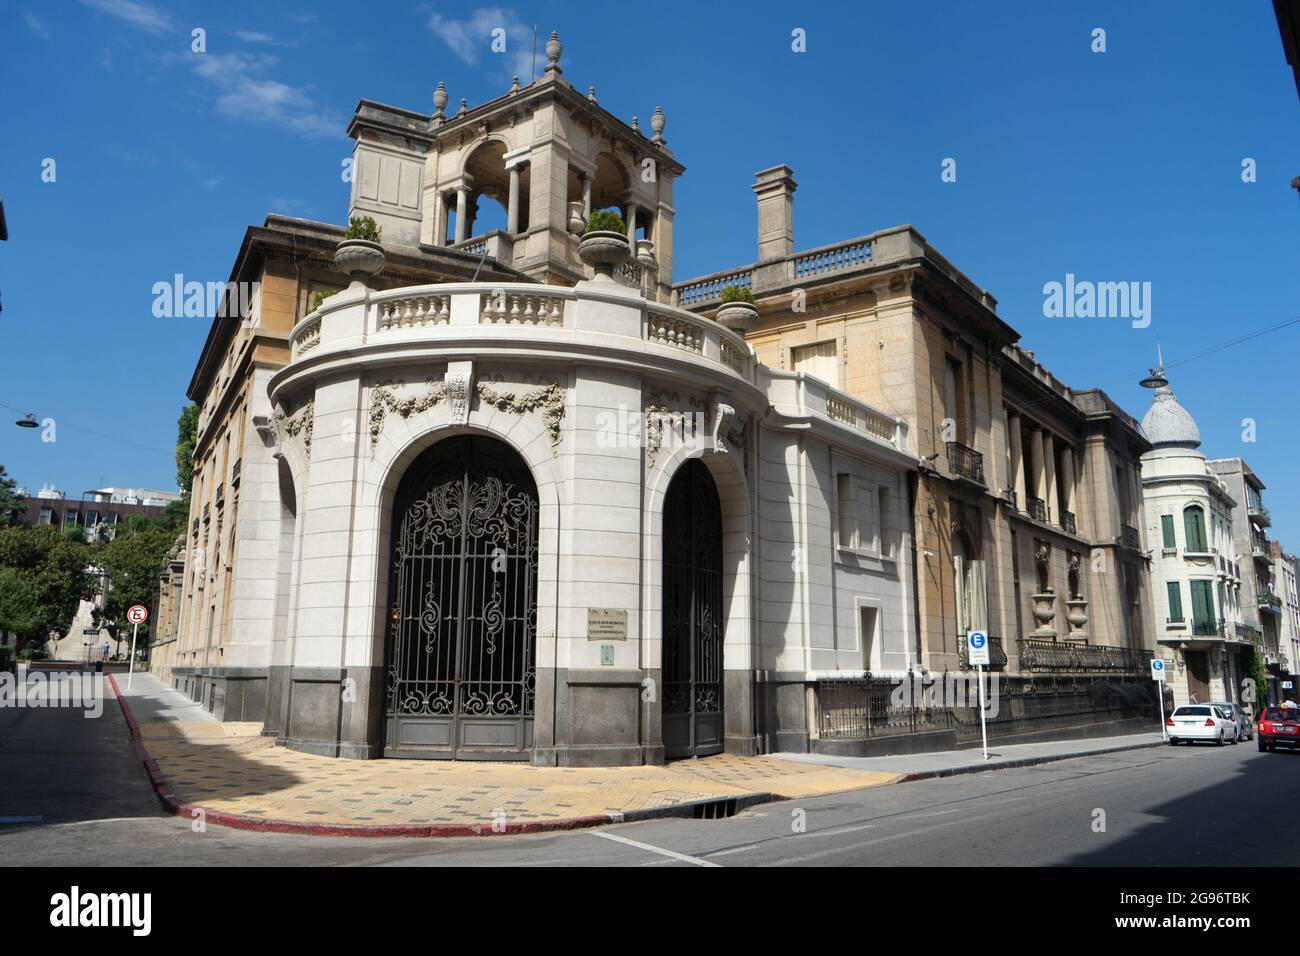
{"x": 485, "y": 167}
{"x": 727, "y": 471}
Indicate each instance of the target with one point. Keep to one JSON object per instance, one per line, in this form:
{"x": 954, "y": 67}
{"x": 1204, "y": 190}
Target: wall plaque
{"x": 606, "y": 624}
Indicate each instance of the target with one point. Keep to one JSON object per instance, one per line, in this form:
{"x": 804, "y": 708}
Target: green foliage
{"x": 363, "y": 227}
{"x": 1260, "y": 677}
{"x": 606, "y": 220}
{"x": 75, "y": 533}
{"x": 10, "y": 501}
{"x": 737, "y": 293}
{"x": 44, "y": 578}
{"x": 320, "y": 297}
{"x": 187, "y": 428}
{"x": 131, "y": 562}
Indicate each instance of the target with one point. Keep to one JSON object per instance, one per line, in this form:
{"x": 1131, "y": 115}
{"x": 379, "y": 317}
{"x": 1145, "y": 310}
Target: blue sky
{"x": 1115, "y": 166}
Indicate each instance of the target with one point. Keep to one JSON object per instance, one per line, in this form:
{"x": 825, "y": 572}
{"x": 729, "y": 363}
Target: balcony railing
{"x": 194, "y": 528}
{"x": 997, "y": 655}
{"x": 1257, "y": 510}
{"x": 1068, "y": 522}
{"x": 234, "y": 473}
{"x": 1129, "y": 537}
{"x": 207, "y": 512}
{"x": 221, "y": 494}
{"x": 965, "y": 462}
{"x": 1268, "y": 601}
{"x": 1037, "y": 509}
{"x": 1208, "y": 628}
{"x": 1046, "y": 655}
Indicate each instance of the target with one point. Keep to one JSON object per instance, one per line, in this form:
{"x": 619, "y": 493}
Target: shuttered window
{"x": 1175, "y": 601}
{"x": 1167, "y": 529}
{"x": 818, "y": 360}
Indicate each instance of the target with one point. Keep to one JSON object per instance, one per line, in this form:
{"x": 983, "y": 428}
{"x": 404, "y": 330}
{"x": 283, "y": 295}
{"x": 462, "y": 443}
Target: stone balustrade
{"x": 791, "y": 391}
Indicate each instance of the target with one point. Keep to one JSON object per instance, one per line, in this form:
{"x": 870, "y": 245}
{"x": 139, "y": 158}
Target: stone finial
{"x": 514, "y": 85}
{"x": 440, "y": 99}
{"x": 591, "y": 94}
{"x": 657, "y": 123}
{"x": 635, "y": 126}
{"x": 553, "y": 50}
{"x": 464, "y": 107}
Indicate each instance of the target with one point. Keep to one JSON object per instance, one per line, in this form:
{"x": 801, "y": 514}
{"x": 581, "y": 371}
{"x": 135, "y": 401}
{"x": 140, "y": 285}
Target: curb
{"x": 173, "y": 804}
{"x": 1024, "y": 762}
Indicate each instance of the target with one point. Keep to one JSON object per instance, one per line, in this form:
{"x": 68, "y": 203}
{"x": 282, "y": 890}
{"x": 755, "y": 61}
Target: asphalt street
{"x": 73, "y": 793}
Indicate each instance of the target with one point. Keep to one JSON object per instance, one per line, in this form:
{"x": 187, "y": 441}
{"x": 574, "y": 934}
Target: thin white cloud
{"x": 471, "y": 39}
{"x": 36, "y": 25}
{"x": 139, "y": 15}
{"x": 245, "y": 91}
{"x": 254, "y": 36}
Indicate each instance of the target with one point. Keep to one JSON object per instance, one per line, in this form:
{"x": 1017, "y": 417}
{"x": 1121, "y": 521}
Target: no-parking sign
{"x": 137, "y": 614}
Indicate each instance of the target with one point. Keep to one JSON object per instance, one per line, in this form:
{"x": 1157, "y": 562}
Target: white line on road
{"x": 652, "y": 849}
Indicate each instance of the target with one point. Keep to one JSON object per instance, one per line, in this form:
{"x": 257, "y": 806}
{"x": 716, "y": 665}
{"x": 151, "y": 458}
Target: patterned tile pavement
{"x": 227, "y": 768}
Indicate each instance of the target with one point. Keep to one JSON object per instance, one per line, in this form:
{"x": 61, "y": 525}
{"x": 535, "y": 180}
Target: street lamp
{"x": 1157, "y": 377}
{"x": 28, "y": 421}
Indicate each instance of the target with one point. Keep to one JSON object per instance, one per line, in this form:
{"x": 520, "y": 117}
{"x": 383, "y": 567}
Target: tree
{"x": 10, "y": 501}
{"x": 46, "y": 579}
{"x": 130, "y": 563}
{"x": 187, "y": 429}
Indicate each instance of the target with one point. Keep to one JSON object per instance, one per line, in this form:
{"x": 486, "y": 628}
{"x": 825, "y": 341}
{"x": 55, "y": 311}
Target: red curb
{"x": 178, "y": 807}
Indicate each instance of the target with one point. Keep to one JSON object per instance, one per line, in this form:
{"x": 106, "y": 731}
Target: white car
{"x": 1245, "y": 724}
{"x": 1201, "y": 722}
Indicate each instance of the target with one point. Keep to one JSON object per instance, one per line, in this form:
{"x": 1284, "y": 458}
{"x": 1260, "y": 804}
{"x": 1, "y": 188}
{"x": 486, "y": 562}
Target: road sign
{"x": 1158, "y": 675}
{"x": 137, "y": 614}
{"x": 977, "y": 642}
{"x": 1286, "y": 685}
{"x": 1157, "y": 669}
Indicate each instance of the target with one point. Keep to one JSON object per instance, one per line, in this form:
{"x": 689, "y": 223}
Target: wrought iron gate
{"x": 693, "y": 619}
{"x": 462, "y": 605}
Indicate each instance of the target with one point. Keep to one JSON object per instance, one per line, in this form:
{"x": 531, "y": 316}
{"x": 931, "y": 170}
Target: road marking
{"x": 652, "y": 849}
{"x": 82, "y": 823}
{"x": 21, "y": 819}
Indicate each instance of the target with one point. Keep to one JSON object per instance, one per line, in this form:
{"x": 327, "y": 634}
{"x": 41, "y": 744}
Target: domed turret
{"x": 1167, "y": 424}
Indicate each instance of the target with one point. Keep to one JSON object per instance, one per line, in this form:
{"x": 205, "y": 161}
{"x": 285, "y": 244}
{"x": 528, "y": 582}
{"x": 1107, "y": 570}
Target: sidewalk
{"x": 239, "y": 778}
{"x": 949, "y": 762}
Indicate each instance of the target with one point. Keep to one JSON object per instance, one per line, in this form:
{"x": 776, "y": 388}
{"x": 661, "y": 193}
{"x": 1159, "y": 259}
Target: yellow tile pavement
{"x": 228, "y": 768}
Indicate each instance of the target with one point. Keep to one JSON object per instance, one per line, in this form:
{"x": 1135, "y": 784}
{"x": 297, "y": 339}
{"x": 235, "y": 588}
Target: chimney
{"x": 775, "y": 191}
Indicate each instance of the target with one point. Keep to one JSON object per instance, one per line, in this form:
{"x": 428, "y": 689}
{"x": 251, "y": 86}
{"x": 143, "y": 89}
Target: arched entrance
{"x": 693, "y": 617}
{"x": 462, "y": 621}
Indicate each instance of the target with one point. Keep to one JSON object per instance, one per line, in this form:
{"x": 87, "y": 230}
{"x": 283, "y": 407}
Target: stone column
{"x": 1036, "y": 475}
{"x": 586, "y": 195}
{"x": 1049, "y": 478}
{"x": 440, "y": 220}
{"x": 1015, "y": 442}
{"x": 512, "y": 209}
{"x": 462, "y": 211}
{"x": 1067, "y": 479}
{"x": 631, "y": 208}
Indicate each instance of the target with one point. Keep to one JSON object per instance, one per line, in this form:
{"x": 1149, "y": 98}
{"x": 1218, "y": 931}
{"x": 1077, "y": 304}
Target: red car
{"x": 1279, "y": 727}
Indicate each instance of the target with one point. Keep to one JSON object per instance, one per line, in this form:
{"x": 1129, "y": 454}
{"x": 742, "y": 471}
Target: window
{"x": 858, "y": 523}
{"x": 1167, "y": 529}
{"x": 92, "y": 518}
{"x": 867, "y": 622}
{"x": 1202, "y": 602}
{"x": 971, "y": 591}
{"x": 954, "y": 404}
{"x": 885, "y": 522}
{"x": 1194, "y": 528}
{"x": 1175, "y": 601}
{"x": 46, "y": 516}
{"x": 70, "y": 517}
{"x": 818, "y": 360}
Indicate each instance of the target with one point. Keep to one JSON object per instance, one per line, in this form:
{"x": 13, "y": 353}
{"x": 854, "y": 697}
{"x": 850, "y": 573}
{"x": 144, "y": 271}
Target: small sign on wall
{"x": 606, "y": 624}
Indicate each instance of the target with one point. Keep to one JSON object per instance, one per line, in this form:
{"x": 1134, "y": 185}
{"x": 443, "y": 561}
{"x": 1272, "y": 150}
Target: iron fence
{"x": 966, "y": 462}
{"x": 872, "y": 707}
{"x": 1041, "y": 654}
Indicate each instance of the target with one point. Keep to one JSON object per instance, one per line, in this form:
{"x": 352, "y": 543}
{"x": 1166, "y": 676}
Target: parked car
{"x": 1245, "y": 725}
{"x": 1279, "y": 727}
{"x": 1201, "y": 722}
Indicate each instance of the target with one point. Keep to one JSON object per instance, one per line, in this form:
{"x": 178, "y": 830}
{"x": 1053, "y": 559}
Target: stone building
{"x": 1197, "y": 571}
{"x": 489, "y": 504}
{"x": 1286, "y": 591}
{"x": 1261, "y": 610}
{"x": 1026, "y": 508}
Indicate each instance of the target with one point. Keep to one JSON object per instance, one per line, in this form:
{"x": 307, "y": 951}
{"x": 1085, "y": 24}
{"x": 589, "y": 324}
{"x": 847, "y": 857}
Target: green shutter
{"x": 1175, "y": 601}
{"x": 1194, "y": 528}
{"x": 1167, "y": 526}
{"x": 1202, "y": 602}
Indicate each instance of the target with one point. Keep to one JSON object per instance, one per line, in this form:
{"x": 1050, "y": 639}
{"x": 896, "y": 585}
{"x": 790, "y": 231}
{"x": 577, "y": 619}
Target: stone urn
{"x": 1077, "y": 615}
{"x": 604, "y": 250}
{"x": 1044, "y": 613}
{"x": 358, "y": 259}
{"x": 740, "y": 317}
{"x": 577, "y": 221}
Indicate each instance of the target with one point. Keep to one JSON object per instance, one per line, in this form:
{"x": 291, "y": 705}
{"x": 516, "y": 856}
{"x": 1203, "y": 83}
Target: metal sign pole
{"x": 135, "y": 629}
{"x": 984, "y": 731}
{"x": 1160, "y": 692}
